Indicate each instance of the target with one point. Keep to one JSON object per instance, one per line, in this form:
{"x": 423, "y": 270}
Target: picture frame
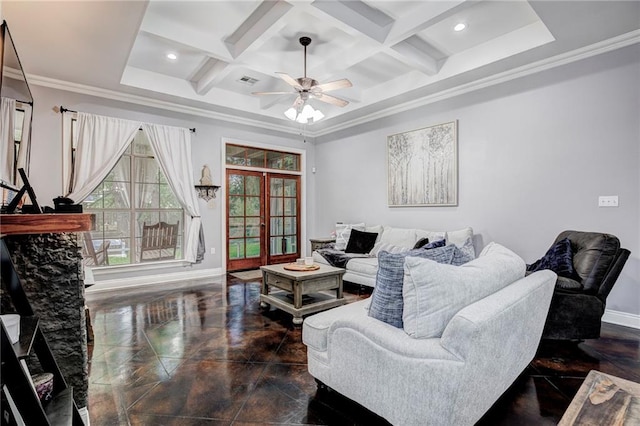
{"x": 422, "y": 166}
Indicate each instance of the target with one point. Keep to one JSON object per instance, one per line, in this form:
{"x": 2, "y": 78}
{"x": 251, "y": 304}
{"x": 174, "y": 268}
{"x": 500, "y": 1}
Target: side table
{"x": 318, "y": 243}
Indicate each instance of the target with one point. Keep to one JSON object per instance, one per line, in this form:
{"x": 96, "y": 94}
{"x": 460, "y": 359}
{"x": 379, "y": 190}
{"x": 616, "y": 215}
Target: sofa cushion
{"x": 460, "y": 236}
{"x": 388, "y": 247}
{"x": 364, "y": 265}
{"x": 399, "y": 237}
{"x": 433, "y": 293}
{"x": 360, "y": 241}
{"x": 386, "y": 299}
{"x": 431, "y": 235}
{"x": 559, "y": 259}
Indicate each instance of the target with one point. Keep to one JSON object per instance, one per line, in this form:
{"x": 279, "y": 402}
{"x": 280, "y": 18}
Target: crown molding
{"x": 595, "y": 49}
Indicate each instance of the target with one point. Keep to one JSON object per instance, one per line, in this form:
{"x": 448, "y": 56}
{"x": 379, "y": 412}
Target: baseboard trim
{"x": 621, "y": 318}
{"x": 146, "y": 280}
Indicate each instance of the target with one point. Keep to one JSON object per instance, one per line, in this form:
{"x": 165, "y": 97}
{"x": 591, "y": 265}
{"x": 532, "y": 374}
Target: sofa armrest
{"x": 318, "y": 331}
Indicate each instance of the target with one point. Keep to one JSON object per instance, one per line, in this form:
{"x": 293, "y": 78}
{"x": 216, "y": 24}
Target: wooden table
{"x": 296, "y": 284}
{"x": 604, "y": 400}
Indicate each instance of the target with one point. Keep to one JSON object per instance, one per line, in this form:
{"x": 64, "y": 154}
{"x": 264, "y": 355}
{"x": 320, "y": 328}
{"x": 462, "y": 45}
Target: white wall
{"x": 46, "y": 157}
{"x": 534, "y": 155}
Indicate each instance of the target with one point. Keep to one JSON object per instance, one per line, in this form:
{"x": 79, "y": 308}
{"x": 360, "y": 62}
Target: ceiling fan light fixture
{"x": 306, "y": 115}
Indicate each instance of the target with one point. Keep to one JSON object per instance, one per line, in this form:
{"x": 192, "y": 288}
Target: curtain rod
{"x": 63, "y": 110}
{"x": 25, "y": 102}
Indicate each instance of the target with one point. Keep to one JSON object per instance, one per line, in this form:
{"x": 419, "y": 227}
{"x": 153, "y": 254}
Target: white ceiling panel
{"x": 402, "y": 51}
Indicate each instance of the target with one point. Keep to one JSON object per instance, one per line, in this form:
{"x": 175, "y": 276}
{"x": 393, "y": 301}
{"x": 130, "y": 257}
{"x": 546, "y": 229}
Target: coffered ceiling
{"x": 398, "y": 54}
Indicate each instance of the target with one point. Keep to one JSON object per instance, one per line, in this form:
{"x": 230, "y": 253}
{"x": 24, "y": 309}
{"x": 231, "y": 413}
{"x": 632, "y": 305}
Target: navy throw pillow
{"x": 435, "y": 244}
{"x": 559, "y": 259}
{"x": 361, "y": 242}
{"x": 386, "y": 300}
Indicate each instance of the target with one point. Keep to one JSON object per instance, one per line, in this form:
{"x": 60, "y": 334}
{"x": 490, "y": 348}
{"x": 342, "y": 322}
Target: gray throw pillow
{"x": 386, "y": 299}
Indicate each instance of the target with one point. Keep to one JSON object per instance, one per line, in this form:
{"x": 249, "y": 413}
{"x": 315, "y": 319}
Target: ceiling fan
{"x": 307, "y": 87}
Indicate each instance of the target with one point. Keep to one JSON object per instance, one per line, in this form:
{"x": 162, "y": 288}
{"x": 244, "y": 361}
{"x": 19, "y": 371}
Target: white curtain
{"x": 7, "y": 128}
{"x": 101, "y": 143}
{"x": 172, "y": 149}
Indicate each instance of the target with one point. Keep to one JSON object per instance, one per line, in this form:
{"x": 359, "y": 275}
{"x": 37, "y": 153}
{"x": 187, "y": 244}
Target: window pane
{"x": 167, "y": 199}
{"x": 253, "y": 185}
{"x": 94, "y": 200}
{"x": 276, "y": 226}
{"x": 141, "y": 144}
{"x": 236, "y": 206}
{"x": 276, "y": 207}
{"x": 290, "y": 246}
{"x": 121, "y": 171}
{"x": 115, "y": 195}
{"x": 275, "y": 160}
{"x": 290, "y": 206}
{"x": 236, "y": 184}
{"x": 255, "y": 157}
{"x": 253, "y": 247}
{"x": 235, "y": 155}
{"x": 291, "y": 162}
{"x": 290, "y": 225}
{"x": 150, "y": 218}
{"x": 253, "y": 206}
{"x": 147, "y": 196}
{"x": 290, "y": 187}
{"x": 236, "y": 227}
{"x": 275, "y": 245}
{"x": 236, "y": 249}
{"x": 18, "y": 125}
{"x": 276, "y": 187}
{"x": 253, "y": 227}
{"x": 173, "y": 217}
{"x": 147, "y": 170}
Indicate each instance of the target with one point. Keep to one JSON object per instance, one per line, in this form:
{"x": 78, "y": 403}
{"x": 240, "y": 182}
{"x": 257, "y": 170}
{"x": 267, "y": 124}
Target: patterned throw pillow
{"x": 386, "y": 300}
{"x": 559, "y": 259}
{"x": 343, "y": 232}
{"x": 360, "y": 241}
{"x": 464, "y": 254}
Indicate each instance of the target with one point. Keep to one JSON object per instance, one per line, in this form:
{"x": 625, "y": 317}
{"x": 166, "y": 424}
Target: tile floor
{"x": 197, "y": 354}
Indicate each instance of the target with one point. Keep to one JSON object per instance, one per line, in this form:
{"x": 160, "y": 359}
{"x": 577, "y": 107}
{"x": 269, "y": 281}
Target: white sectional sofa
{"x": 447, "y": 375}
{"x": 363, "y": 270}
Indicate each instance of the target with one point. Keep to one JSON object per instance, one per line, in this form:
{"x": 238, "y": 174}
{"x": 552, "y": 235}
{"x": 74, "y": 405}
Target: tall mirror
{"x": 16, "y": 107}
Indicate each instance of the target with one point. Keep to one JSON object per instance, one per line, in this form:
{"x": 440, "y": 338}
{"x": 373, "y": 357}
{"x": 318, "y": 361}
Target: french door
{"x": 263, "y": 218}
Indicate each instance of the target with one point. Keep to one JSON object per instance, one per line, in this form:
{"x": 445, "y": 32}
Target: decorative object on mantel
{"x": 423, "y": 166}
{"x": 206, "y": 190}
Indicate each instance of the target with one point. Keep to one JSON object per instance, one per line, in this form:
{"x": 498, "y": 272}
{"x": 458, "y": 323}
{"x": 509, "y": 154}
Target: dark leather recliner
{"x": 578, "y": 305}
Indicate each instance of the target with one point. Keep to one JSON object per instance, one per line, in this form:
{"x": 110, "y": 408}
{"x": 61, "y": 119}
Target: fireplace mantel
{"x": 48, "y": 223}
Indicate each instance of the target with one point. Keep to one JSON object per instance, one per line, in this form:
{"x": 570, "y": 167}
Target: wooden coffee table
{"x": 293, "y": 285}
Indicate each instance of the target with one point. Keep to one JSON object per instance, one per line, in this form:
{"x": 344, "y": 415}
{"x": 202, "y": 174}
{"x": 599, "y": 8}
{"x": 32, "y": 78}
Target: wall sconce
{"x": 206, "y": 190}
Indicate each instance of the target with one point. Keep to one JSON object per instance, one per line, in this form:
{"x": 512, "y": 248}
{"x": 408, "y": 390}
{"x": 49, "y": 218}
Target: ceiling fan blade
{"x": 290, "y": 80}
{"x": 272, "y": 93}
{"x": 333, "y": 85}
{"x": 331, "y": 100}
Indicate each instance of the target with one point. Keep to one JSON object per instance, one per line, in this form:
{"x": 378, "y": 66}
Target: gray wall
{"x": 534, "y": 155}
{"x": 46, "y": 154}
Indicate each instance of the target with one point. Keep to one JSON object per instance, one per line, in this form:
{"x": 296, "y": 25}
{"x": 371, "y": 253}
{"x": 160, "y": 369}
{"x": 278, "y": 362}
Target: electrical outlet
{"x": 608, "y": 201}
{"x": 213, "y": 250}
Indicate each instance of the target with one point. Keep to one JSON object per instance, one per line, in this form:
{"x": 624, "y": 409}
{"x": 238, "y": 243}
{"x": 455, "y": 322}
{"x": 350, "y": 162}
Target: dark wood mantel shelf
{"x": 19, "y": 224}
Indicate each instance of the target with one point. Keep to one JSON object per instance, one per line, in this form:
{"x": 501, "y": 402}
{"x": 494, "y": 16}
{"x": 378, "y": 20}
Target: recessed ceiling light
{"x": 172, "y": 56}
{"x": 459, "y": 27}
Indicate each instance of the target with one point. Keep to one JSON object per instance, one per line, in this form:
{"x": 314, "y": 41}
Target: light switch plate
{"x": 608, "y": 201}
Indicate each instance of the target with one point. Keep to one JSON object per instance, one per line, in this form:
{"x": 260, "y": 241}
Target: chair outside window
{"x": 95, "y": 256}
{"x": 159, "y": 241}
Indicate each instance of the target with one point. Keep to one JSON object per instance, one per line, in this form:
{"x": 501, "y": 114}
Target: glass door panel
{"x": 245, "y": 220}
{"x": 284, "y": 232}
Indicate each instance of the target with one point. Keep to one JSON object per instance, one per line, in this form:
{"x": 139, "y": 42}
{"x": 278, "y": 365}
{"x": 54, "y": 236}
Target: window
{"x": 263, "y": 158}
{"x": 134, "y": 193}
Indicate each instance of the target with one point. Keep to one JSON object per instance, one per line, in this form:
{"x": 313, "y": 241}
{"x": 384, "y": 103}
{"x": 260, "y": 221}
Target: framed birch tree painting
{"x": 423, "y": 166}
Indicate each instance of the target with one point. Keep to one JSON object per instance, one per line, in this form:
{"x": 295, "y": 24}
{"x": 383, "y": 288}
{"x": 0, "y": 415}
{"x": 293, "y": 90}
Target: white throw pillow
{"x": 399, "y": 237}
{"x": 378, "y": 229}
{"x": 459, "y": 237}
{"x": 433, "y": 292}
{"x": 343, "y": 232}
